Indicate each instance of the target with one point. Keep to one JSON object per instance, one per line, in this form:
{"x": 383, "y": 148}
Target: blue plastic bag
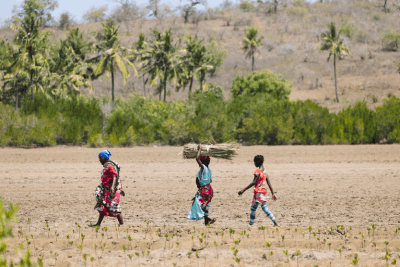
{"x": 196, "y": 213}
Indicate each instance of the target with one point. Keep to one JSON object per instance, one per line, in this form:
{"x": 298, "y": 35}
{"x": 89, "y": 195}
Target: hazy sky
{"x": 79, "y": 7}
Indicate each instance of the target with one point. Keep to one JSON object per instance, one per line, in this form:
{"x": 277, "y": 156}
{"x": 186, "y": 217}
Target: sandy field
{"x": 318, "y": 186}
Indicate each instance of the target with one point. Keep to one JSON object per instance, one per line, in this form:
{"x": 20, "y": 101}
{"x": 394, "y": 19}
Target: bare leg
{"x": 101, "y": 217}
{"x": 120, "y": 220}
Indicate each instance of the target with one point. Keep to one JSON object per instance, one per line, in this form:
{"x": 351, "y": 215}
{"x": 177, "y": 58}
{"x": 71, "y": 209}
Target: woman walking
{"x": 204, "y": 194}
{"x": 110, "y": 190}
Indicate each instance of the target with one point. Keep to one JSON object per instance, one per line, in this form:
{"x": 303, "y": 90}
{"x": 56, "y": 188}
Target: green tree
{"x": 263, "y": 82}
{"x": 43, "y": 9}
{"x": 114, "y": 56}
{"x": 335, "y": 46}
{"x": 140, "y": 48}
{"x": 33, "y": 45}
{"x": 95, "y": 14}
{"x": 251, "y": 42}
{"x": 196, "y": 61}
{"x": 69, "y": 67}
{"x": 217, "y": 55}
{"x": 161, "y": 61}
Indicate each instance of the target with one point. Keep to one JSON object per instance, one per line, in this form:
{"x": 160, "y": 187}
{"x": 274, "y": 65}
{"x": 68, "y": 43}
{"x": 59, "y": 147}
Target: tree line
{"x": 30, "y": 63}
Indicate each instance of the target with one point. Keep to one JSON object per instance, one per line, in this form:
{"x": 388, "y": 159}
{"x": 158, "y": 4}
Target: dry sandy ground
{"x": 321, "y": 186}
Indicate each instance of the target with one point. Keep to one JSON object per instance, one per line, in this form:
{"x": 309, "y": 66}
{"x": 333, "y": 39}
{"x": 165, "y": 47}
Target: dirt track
{"x": 322, "y": 186}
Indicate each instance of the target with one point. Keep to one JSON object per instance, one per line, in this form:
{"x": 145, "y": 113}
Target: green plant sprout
{"x": 237, "y": 260}
{"x": 40, "y": 261}
{"x": 80, "y": 248}
{"x": 286, "y": 253}
{"x": 297, "y": 254}
{"x": 355, "y": 260}
{"x": 95, "y": 247}
{"x": 105, "y": 230}
{"x": 283, "y": 238}
{"x": 130, "y": 257}
{"x": 340, "y": 252}
{"x": 394, "y": 262}
{"x": 130, "y": 240}
{"x": 97, "y": 230}
{"x": 309, "y": 231}
{"x": 84, "y": 256}
{"x": 216, "y": 248}
{"x": 329, "y": 244}
{"x": 386, "y": 244}
{"x": 137, "y": 254}
{"x": 231, "y": 231}
{"x": 303, "y": 234}
{"x": 373, "y": 230}
{"x": 91, "y": 260}
{"x": 29, "y": 224}
{"x": 236, "y": 242}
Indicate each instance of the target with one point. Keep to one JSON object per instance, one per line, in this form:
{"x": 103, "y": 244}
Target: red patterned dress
{"x": 107, "y": 202}
{"x": 260, "y": 188}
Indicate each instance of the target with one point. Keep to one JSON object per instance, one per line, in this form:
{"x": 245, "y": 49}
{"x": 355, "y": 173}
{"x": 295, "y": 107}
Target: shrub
{"x": 361, "y": 37}
{"x": 387, "y": 119}
{"x": 353, "y": 125}
{"x": 298, "y": 11}
{"x": 263, "y": 82}
{"x": 348, "y": 30}
{"x": 246, "y": 6}
{"x": 392, "y": 40}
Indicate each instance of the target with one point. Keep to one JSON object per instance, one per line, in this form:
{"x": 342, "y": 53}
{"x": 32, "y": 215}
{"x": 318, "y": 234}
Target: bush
{"x": 298, "y": 11}
{"x": 353, "y": 125}
{"x": 387, "y": 119}
{"x": 361, "y": 37}
{"x": 263, "y": 82}
{"x": 246, "y": 6}
{"x": 348, "y": 30}
{"x": 391, "y": 40}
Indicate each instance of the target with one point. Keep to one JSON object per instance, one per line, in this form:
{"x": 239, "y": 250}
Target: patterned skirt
{"x": 205, "y": 193}
{"x": 107, "y": 202}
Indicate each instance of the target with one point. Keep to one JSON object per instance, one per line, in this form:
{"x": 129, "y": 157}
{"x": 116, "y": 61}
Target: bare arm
{"x": 249, "y": 186}
{"x": 113, "y": 184}
{"x": 198, "y": 157}
{"x": 270, "y": 188}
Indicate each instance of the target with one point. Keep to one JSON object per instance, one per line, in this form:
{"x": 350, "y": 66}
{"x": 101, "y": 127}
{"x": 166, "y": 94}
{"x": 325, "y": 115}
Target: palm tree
{"x": 69, "y": 68}
{"x": 141, "y": 48}
{"x": 335, "y": 46}
{"x": 32, "y": 44}
{"x": 114, "y": 56}
{"x": 161, "y": 61}
{"x": 251, "y": 42}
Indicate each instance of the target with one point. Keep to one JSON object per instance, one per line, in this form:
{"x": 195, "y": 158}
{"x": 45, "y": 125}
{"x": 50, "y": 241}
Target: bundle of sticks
{"x": 224, "y": 150}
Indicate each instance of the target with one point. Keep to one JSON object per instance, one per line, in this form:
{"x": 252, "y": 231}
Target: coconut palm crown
{"x": 251, "y": 42}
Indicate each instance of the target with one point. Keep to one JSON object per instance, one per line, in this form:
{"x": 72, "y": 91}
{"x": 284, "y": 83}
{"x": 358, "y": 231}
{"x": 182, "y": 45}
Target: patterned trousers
{"x": 264, "y": 208}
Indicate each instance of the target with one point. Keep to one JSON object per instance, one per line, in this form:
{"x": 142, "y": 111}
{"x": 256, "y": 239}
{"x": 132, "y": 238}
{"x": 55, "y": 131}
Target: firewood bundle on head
{"x": 225, "y": 150}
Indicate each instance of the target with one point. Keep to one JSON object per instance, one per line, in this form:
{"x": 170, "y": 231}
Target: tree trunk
{"x": 144, "y": 86}
{"x": 4, "y": 94}
{"x": 16, "y": 99}
{"x": 252, "y": 63}
{"x": 190, "y": 85}
{"x": 165, "y": 85}
{"x": 275, "y": 6}
{"x": 202, "y": 75}
{"x": 31, "y": 83}
{"x": 112, "y": 86}
{"x": 384, "y": 6}
{"x": 334, "y": 67}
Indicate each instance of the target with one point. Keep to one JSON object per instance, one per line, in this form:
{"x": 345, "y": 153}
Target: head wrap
{"x": 105, "y": 154}
{"x": 204, "y": 157}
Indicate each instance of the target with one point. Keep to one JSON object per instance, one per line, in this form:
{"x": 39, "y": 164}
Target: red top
{"x": 260, "y": 186}
{"x": 108, "y": 174}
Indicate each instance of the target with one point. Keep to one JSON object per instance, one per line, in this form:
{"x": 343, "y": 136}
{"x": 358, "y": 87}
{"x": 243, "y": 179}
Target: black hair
{"x": 259, "y": 160}
{"x": 205, "y": 161}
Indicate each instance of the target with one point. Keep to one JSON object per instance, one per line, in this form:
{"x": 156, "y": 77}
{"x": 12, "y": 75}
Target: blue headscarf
{"x": 105, "y": 154}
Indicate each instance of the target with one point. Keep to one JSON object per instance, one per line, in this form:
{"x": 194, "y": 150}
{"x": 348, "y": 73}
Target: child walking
{"x": 260, "y": 190}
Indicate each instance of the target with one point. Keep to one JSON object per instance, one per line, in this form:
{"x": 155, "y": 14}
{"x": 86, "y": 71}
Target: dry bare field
{"x": 318, "y": 186}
